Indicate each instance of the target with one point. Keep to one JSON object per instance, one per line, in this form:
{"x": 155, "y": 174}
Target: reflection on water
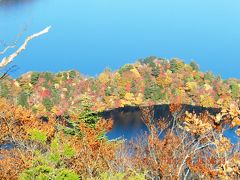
{"x": 128, "y": 123}
{"x": 128, "y": 120}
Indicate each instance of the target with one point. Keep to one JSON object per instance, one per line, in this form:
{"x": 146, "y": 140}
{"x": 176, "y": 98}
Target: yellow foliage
{"x": 164, "y": 80}
{"x": 41, "y": 109}
{"x": 191, "y": 86}
{"x": 139, "y": 99}
{"x": 105, "y": 77}
{"x": 206, "y": 101}
{"x": 224, "y": 102}
{"x": 180, "y": 92}
{"x": 207, "y": 87}
{"x": 54, "y": 110}
{"x": 135, "y": 72}
{"x": 109, "y": 101}
{"x": 195, "y": 125}
{"x": 236, "y": 122}
{"x": 218, "y": 118}
{"x": 129, "y": 97}
{"x": 233, "y": 112}
{"x": 223, "y": 144}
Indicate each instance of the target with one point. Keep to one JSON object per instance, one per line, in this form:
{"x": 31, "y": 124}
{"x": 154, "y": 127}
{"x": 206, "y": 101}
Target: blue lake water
{"x": 128, "y": 122}
{"x": 91, "y": 35}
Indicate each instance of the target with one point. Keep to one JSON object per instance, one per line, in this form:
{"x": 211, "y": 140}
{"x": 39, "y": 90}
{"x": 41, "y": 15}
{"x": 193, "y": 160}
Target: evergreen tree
{"x": 155, "y": 71}
{"x": 23, "y": 100}
{"x": 34, "y": 78}
{"x": 48, "y": 104}
{"x": 194, "y": 66}
{"x": 176, "y": 65}
{"x": 4, "y": 90}
{"x": 235, "y": 89}
{"x": 87, "y": 115}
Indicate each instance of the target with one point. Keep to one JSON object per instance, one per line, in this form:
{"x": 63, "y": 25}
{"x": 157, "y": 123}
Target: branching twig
{"x": 7, "y": 60}
{"x": 8, "y": 47}
{"x": 5, "y": 74}
{"x": 192, "y": 153}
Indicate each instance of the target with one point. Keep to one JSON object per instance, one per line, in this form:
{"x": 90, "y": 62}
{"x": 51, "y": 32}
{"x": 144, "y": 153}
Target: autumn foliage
{"x": 149, "y": 81}
{"x": 50, "y": 127}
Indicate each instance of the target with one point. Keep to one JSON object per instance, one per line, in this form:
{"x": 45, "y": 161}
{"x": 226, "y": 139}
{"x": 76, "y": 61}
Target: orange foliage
{"x": 188, "y": 148}
{"x": 93, "y": 152}
{"x": 12, "y": 163}
{"x": 16, "y": 121}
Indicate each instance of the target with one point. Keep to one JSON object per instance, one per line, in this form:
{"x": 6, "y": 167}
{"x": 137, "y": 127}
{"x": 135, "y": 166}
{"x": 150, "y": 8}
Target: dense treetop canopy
{"x": 149, "y": 81}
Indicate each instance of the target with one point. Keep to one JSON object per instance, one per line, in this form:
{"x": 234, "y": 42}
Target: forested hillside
{"x": 147, "y": 82}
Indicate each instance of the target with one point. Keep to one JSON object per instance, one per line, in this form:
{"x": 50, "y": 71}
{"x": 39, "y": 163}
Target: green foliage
{"x": 94, "y": 86}
{"x": 148, "y": 92}
{"x": 37, "y": 135}
{"x": 55, "y": 95}
{"x": 48, "y": 76}
{"x": 48, "y": 104}
{"x": 197, "y": 77}
{"x": 208, "y": 77}
{"x": 108, "y": 91}
{"x": 68, "y": 151}
{"x": 72, "y": 128}
{"x": 194, "y": 66}
{"x": 4, "y": 90}
{"x": 133, "y": 87}
{"x": 87, "y": 115}
{"x": 72, "y": 74}
{"x": 38, "y": 173}
{"x": 54, "y": 144}
{"x": 49, "y": 164}
{"x": 54, "y": 157}
{"x": 125, "y": 68}
{"x": 149, "y": 61}
{"x": 154, "y": 92}
{"x": 44, "y": 172}
{"x": 235, "y": 89}
{"x": 66, "y": 174}
{"x": 23, "y": 99}
{"x": 155, "y": 71}
{"x": 123, "y": 175}
{"x": 34, "y": 78}
{"x": 176, "y": 65}
{"x": 121, "y": 92}
{"x": 70, "y": 91}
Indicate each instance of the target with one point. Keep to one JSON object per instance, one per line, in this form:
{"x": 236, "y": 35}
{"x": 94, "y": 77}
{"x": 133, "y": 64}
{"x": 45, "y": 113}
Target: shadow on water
{"x": 128, "y": 122}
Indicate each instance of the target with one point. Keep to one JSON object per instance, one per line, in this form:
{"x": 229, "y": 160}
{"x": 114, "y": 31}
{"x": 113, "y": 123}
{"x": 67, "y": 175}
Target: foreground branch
{"x": 7, "y": 60}
{"x": 5, "y": 50}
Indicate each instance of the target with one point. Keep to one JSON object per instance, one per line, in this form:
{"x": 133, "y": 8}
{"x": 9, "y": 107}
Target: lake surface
{"x": 91, "y": 35}
{"x": 128, "y": 122}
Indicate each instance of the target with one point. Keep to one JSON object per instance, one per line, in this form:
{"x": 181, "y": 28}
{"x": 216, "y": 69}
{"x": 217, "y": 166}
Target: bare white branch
{"x": 7, "y": 60}
{"x": 8, "y": 47}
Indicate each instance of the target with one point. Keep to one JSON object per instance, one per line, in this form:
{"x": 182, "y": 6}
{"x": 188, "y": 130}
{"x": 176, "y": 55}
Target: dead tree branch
{"x": 7, "y": 60}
